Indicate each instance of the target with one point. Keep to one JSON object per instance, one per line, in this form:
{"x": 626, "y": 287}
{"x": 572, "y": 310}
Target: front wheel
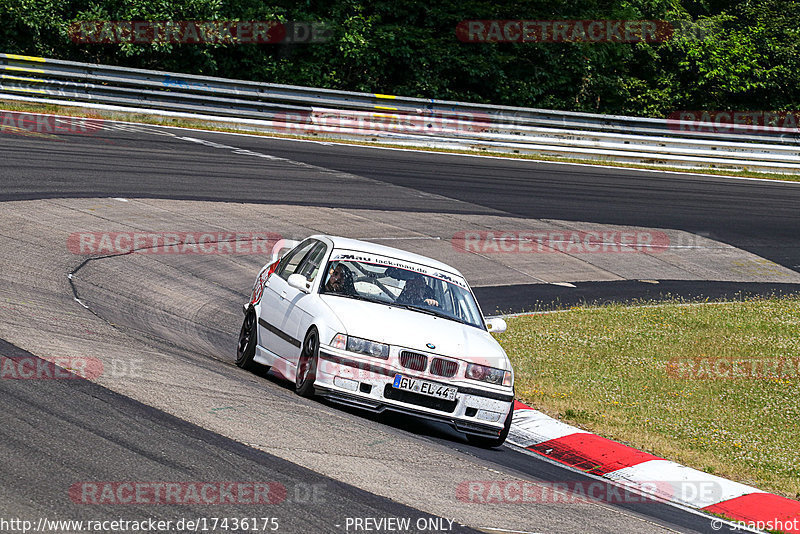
{"x": 248, "y": 339}
{"x": 307, "y": 365}
{"x": 491, "y": 443}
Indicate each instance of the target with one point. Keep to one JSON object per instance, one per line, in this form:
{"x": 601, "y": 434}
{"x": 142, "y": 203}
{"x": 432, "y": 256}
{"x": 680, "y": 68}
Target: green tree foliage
{"x": 740, "y": 54}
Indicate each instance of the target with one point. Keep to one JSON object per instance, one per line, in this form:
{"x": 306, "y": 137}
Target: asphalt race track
{"x": 114, "y": 435}
{"x": 755, "y": 215}
{"x": 189, "y": 414}
{"x": 517, "y": 298}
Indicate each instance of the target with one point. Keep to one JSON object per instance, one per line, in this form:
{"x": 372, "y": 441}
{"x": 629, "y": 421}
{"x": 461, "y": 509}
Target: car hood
{"x": 414, "y": 330}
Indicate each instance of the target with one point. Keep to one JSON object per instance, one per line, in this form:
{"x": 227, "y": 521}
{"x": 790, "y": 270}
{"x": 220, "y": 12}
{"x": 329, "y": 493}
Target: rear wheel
{"x": 248, "y": 339}
{"x": 307, "y": 365}
{"x": 491, "y": 443}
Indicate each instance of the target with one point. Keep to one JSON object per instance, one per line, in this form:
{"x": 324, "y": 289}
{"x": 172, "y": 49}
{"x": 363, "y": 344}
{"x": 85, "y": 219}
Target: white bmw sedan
{"x": 380, "y": 329}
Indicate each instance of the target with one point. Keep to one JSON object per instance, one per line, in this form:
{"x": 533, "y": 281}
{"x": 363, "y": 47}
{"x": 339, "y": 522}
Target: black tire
{"x": 307, "y": 364}
{"x": 248, "y": 339}
{"x": 491, "y": 443}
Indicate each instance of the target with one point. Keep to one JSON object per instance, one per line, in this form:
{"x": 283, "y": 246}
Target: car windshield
{"x": 411, "y": 286}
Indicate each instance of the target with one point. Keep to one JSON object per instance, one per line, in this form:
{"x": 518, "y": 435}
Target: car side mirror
{"x": 298, "y": 281}
{"x": 496, "y": 325}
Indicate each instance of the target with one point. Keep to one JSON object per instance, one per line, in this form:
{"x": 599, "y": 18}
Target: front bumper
{"x": 366, "y": 383}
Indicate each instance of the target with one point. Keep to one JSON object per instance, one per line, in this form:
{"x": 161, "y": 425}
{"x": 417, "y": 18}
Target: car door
{"x": 275, "y": 328}
{"x": 300, "y": 304}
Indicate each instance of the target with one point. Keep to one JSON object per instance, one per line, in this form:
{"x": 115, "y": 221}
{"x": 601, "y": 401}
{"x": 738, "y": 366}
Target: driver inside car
{"x": 416, "y": 292}
{"x": 340, "y": 280}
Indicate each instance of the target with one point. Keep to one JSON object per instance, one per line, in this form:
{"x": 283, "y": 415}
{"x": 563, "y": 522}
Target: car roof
{"x": 347, "y": 243}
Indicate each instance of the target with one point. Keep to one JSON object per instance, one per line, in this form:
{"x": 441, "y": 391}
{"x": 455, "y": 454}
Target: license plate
{"x": 424, "y": 387}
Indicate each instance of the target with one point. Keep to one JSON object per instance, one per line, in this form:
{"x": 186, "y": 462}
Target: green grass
{"x": 13, "y": 105}
{"x": 605, "y": 369}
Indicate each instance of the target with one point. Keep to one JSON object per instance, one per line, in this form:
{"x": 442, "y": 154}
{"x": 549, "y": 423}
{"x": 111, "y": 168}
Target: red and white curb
{"x": 648, "y": 474}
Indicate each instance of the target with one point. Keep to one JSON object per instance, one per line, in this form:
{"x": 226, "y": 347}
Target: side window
{"x": 310, "y": 266}
{"x": 289, "y": 263}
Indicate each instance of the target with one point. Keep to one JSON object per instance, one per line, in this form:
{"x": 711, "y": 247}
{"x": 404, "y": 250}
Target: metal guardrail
{"x": 399, "y": 120}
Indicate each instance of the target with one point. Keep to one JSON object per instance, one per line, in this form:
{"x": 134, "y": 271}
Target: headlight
{"x": 488, "y": 374}
{"x": 370, "y": 348}
{"x": 361, "y": 346}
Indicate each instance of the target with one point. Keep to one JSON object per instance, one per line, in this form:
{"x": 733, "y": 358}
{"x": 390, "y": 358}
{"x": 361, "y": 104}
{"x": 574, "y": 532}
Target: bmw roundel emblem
{"x": 430, "y": 346}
